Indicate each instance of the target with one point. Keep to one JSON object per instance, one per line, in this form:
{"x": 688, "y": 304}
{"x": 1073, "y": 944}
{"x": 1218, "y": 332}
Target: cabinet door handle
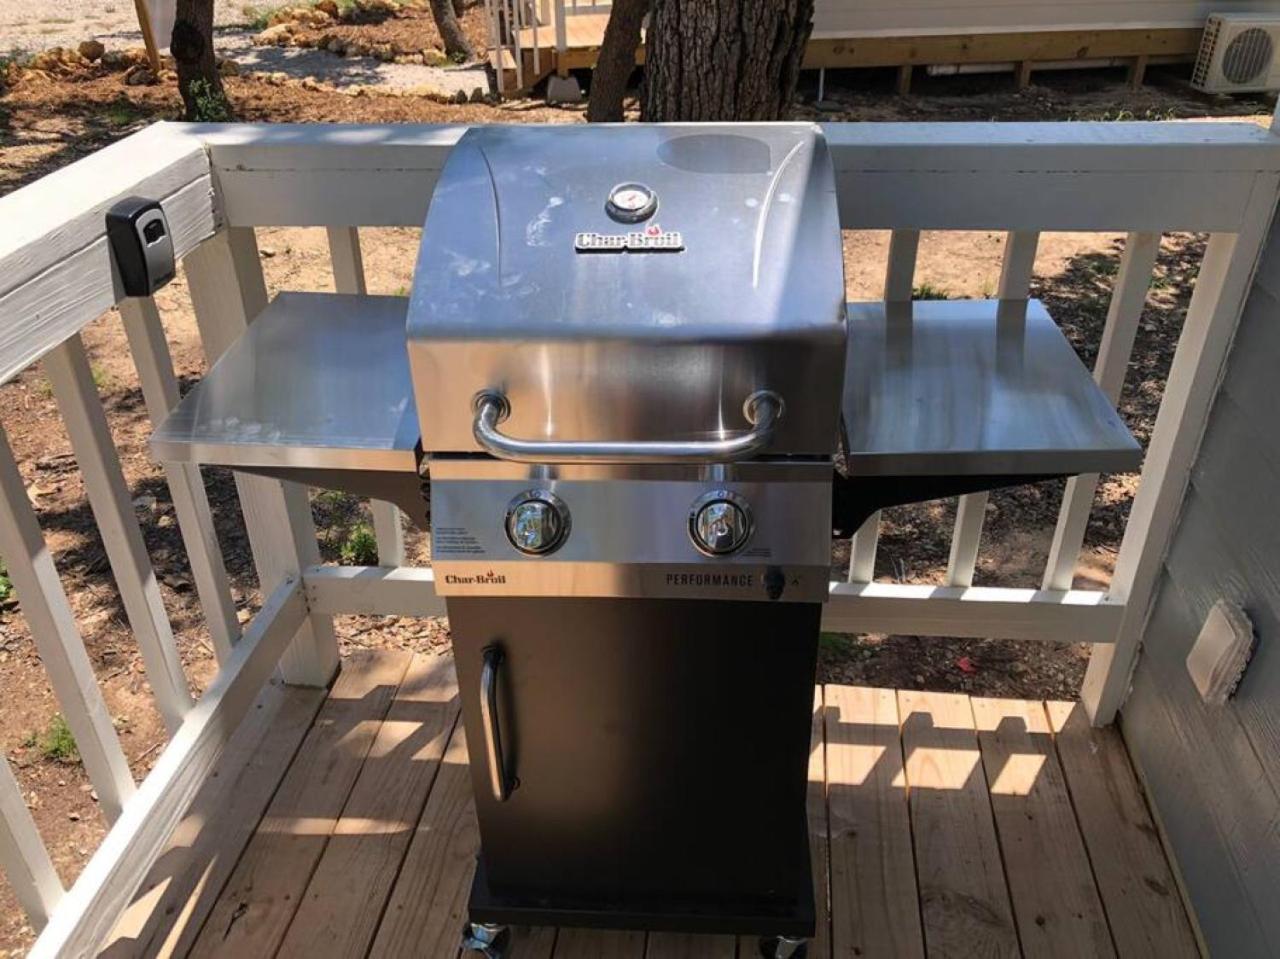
{"x": 498, "y": 781}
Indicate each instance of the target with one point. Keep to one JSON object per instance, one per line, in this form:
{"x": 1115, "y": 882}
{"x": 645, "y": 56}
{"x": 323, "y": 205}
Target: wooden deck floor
{"x": 941, "y": 825}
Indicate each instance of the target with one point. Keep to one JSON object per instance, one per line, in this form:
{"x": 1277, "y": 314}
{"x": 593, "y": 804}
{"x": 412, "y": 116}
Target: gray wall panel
{"x": 1214, "y": 772}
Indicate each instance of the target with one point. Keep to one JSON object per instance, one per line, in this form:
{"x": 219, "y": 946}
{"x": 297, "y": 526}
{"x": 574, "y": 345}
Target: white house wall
{"x": 847, "y": 18}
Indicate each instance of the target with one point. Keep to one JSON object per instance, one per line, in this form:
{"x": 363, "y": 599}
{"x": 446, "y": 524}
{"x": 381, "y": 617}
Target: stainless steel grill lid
{"x": 631, "y": 284}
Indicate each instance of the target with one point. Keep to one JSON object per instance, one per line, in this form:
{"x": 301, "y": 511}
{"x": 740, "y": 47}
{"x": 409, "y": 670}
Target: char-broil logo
{"x": 652, "y": 239}
{"x": 489, "y": 578}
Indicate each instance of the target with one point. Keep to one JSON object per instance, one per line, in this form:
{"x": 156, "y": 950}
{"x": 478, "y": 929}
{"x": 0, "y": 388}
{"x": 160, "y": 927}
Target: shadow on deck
{"x": 342, "y": 825}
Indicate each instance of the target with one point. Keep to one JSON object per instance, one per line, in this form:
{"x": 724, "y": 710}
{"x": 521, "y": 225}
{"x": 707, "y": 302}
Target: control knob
{"x": 537, "y": 522}
{"x": 720, "y": 523}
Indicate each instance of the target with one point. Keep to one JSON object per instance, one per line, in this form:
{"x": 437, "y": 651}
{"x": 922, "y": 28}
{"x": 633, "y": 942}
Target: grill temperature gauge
{"x": 537, "y": 522}
{"x": 631, "y": 203}
{"x": 720, "y": 523}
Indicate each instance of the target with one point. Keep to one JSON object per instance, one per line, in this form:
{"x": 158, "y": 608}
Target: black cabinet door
{"x": 655, "y": 748}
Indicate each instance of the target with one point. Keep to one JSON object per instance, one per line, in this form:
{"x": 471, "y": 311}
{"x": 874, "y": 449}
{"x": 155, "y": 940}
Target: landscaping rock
{"x": 229, "y": 68}
{"x": 276, "y": 36}
{"x": 139, "y": 76}
{"x": 330, "y": 7}
{"x": 92, "y": 50}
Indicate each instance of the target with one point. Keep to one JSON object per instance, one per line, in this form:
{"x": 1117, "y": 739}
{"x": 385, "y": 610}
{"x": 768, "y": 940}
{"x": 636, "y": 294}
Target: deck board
{"x": 875, "y": 909}
{"x": 599, "y": 944}
{"x": 371, "y": 838}
{"x": 255, "y": 909}
{"x": 175, "y": 899}
{"x": 1135, "y": 880}
{"x": 429, "y": 902}
{"x": 1055, "y": 900}
{"x": 961, "y": 793}
{"x": 964, "y": 900}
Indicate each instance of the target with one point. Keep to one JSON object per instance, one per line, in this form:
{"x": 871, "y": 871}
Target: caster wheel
{"x": 489, "y": 941}
{"x": 783, "y": 947}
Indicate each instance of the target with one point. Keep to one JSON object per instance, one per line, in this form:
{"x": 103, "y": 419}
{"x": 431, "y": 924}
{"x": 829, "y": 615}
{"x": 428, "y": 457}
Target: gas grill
{"x": 628, "y": 384}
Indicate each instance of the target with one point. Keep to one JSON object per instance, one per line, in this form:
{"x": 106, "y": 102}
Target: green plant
{"x": 6, "y": 585}
{"x": 211, "y": 104}
{"x": 120, "y": 113}
{"x": 927, "y": 291}
{"x": 335, "y": 501}
{"x": 56, "y": 742}
{"x": 101, "y": 377}
{"x": 360, "y": 548}
{"x": 840, "y": 643}
{"x": 258, "y": 17}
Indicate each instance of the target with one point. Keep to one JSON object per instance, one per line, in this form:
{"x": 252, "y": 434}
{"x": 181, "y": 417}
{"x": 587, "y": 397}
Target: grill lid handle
{"x": 763, "y": 409}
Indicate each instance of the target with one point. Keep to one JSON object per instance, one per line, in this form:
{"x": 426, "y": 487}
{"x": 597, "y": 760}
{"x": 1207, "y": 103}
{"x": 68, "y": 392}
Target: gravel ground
{"x": 345, "y": 71}
{"x": 28, "y": 26}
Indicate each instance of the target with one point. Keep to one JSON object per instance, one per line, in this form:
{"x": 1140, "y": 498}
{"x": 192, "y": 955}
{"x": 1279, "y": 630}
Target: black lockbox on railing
{"x": 141, "y": 245}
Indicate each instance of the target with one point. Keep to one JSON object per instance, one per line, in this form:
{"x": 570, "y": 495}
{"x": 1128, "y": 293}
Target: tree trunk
{"x": 458, "y": 7}
{"x": 456, "y": 46}
{"x": 192, "y": 49}
{"x": 724, "y": 59}
{"x": 617, "y": 60}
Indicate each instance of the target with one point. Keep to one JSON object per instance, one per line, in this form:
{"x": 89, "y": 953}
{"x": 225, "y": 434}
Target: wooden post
{"x": 148, "y": 34}
{"x": 1024, "y": 74}
{"x": 903, "y": 84}
{"x": 53, "y": 628}
{"x": 1137, "y": 71}
{"x": 1222, "y": 287}
{"x": 190, "y": 503}
{"x": 348, "y": 277}
{"x": 67, "y": 368}
{"x": 228, "y": 292}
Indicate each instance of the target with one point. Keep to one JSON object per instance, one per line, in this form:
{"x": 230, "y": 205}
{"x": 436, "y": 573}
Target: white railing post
{"x": 23, "y": 855}
{"x": 186, "y": 486}
{"x": 899, "y": 282}
{"x": 1015, "y": 285}
{"x": 67, "y": 368}
{"x": 47, "y": 613}
{"x": 900, "y": 272}
{"x": 562, "y": 28}
{"x": 228, "y": 292}
{"x": 348, "y": 277}
{"x": 1127, "y": 302}
{"x": 1222, "y": 287}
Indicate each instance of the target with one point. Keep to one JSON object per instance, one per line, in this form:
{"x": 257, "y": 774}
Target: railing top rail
{"x": 56, "y": 273}
{"x": 1252, "y": 146}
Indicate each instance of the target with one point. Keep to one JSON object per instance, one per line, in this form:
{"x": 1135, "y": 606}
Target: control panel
{"x": 558, "y": 535}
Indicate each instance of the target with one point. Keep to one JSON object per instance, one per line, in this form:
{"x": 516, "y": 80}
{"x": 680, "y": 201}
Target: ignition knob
{"x": 720, "y": 523}
{"x": 537, "y": 522}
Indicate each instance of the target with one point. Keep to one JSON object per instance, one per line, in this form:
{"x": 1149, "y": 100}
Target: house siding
{"x": 1214, "y": 772}
{"x": 849, "y": 18}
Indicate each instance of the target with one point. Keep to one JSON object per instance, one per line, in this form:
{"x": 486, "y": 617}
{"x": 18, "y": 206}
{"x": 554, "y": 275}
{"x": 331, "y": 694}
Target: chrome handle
{"x": 489, "y": 717}
{"x": 763, "y": 409}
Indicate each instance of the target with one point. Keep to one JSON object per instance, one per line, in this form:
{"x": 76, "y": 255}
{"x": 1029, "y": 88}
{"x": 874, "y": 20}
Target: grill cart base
{"x": 641, "y": 744}
{"x": 793, "y": 918}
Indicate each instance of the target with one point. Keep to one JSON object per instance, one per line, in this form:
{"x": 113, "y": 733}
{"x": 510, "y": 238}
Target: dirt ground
{"x": 46, "y": 122}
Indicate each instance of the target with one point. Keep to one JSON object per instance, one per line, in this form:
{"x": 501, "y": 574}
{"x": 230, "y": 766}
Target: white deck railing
{"x": 532, "y": 27}
{"x": 218, "y": 184}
